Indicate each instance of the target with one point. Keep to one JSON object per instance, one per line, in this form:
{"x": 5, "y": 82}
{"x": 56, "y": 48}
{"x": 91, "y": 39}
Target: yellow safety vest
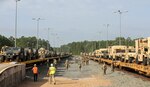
{"x": 52, "y": 70}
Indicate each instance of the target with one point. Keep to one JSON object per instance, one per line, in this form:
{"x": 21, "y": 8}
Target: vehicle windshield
{"x": 131, "y": 51}
{"x": 15, "y": 49}
{"x": 104, "y": 51}
{"x": 6, "y": 49}
{"x": 120, "y": 51}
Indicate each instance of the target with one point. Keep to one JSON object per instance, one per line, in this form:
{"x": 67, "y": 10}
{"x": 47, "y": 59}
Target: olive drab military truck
{"x": 18, "y": 53}
{"x": 143, "y": 51}
{"x": 117, "y": 52}
{"x": 131, "y": 54}
{"x": 47, "y": 53}
{"x": 42, "y": 52}
{"x": 28, "y": 54}
{"x": 11, "y": 53}
{"x": 6, "y": 53}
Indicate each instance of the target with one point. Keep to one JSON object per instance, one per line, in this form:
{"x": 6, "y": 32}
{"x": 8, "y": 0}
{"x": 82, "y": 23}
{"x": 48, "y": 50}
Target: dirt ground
{"x": 90, "y": 76}
{"x": 66, "y": 82}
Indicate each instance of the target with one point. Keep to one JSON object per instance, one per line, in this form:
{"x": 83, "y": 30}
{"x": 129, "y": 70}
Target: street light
{"x": 48, "y": 40}
{"x": 107, "y": 25}
{"x": 120, "y": 12}
{"x": 100, "y": 39}
{"x": 37, "y": 19}
{"x": 16, "y": 23}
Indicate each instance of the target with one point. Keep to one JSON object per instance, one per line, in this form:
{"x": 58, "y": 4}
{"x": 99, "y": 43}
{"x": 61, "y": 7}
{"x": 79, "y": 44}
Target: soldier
{"x": 55, "y": 62}
{"x": 80, "y": 66}
{"x": 112, "y": 67}
{"x": 67, "y": 64}
{"x": 47, "y": 63}
{"x": 87, "y": 62}
{"x": 104, "y": 68}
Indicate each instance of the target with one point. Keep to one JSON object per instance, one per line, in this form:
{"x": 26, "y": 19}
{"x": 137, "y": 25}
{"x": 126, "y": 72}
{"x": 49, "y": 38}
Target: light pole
{"x": 100, "y": 39}
{"x": 120, "y": 13}
{"x": 107, "y": 26}
{"x": 38, "y": 19}
{"x": 54, "y": 36}
{"x": 16, "y": 22}
{"x": 48, "y": 40}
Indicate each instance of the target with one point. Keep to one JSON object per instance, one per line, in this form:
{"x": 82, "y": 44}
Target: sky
{"x": 76, "y": 20}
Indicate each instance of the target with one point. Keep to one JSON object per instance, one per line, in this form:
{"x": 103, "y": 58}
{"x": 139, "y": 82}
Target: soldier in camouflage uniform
{"x": 67, "y": 64}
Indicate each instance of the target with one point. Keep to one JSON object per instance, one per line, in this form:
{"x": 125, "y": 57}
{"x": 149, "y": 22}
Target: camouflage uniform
{"x": 67, "y": 64}
{"x": 112, "y": 67}
{"x": 104, "y": 68}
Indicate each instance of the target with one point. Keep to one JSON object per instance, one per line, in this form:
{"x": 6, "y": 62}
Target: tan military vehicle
{"x": 90, "y": 54}
{"x": 143, "y": 50}
{"x": 101, "y": 53}
{"x": 42, "y": 52}
{"x": 117, "y": 52}
{"x": 97, "y": 53}
{"x": 131, "y": 54}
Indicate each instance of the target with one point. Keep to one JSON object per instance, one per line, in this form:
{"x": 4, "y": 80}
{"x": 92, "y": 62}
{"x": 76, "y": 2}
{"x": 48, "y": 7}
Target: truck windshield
{"x": 132, "y": 51}
{"x": 120, "y": 51}
{"x": 6, "y": 49}
{"x": 104, "y": 51}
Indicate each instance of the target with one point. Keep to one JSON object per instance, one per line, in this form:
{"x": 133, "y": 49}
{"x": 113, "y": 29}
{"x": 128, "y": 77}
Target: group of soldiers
{"x": 80, "y": 62}
{"x": 85, "y": 61}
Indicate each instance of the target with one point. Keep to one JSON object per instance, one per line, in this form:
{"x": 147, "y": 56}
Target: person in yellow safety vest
{"x": 51, "y": 74}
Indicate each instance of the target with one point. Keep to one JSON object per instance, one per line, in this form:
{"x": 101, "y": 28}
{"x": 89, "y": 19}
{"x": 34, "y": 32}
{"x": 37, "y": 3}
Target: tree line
{"x": 90, "y": 46}
{"x": 24, "y": 42}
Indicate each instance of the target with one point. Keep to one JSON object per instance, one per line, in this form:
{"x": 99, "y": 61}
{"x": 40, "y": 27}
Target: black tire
{"x": 136, "y": 60}
{"x": 130, "y": 60}
{"x": 1, "y": 59}
{"x": 121, "y": 59}
{"x": 145, "y": 61}
{"x": 148, "y": 61}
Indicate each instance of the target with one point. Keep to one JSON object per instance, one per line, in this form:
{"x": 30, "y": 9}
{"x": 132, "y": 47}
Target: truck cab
{"x": 6, "y": 53}
{"x": 117, "y": 52}
{"x": 143, "y": 51}
{"x": 131, "y": 54}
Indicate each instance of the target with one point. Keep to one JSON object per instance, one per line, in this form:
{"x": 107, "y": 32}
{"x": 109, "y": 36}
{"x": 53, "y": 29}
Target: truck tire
{"x": 136, "y": 60}
{"x": 145, "y": 61}
{"x": 130, "y": 60}
{"x": 148, "y": 61}
{"x": 1, "y": 59}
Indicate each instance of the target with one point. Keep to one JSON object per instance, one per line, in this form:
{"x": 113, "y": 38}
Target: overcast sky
{"x": 76, "y": 20}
